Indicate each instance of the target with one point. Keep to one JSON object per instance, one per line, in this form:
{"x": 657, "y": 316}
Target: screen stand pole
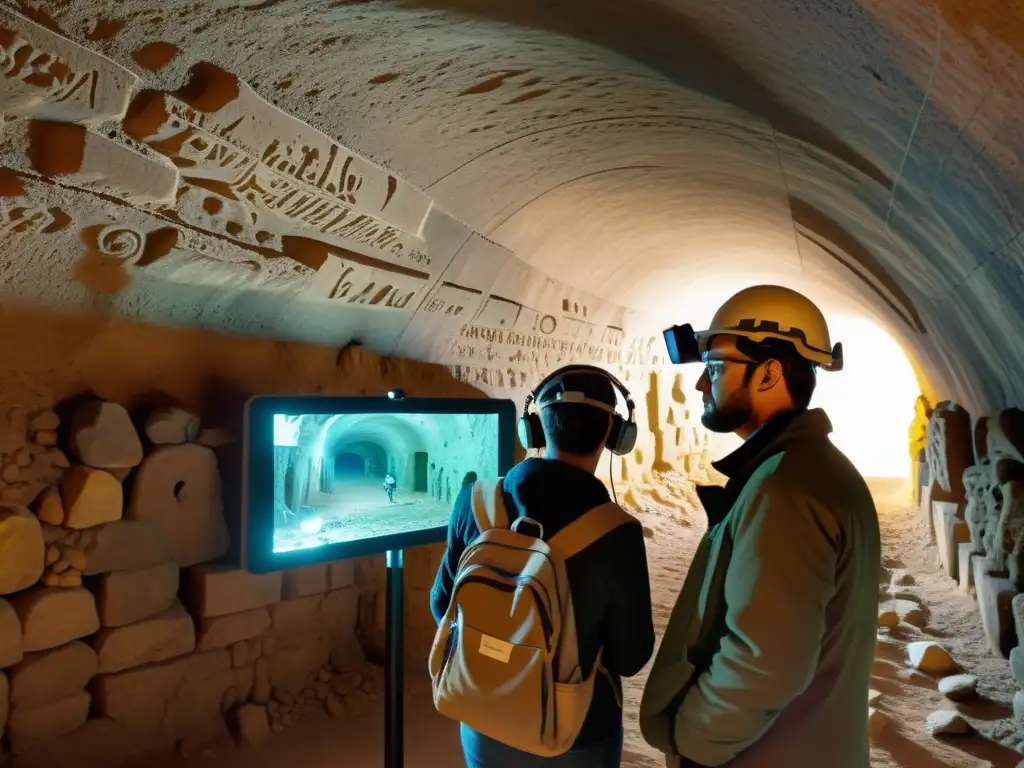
{"x": 394, "y": 663}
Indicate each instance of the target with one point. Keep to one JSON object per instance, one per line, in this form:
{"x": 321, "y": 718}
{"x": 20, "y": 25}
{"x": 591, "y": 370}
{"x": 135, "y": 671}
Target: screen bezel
{"x": 258, "y": 471}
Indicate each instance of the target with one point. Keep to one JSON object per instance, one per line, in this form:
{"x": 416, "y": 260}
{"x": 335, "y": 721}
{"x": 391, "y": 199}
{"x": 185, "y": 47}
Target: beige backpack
{"x": 505, "y": 659}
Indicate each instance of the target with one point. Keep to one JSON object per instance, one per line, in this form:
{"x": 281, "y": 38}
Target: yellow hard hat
{"x": 774, "y": 312}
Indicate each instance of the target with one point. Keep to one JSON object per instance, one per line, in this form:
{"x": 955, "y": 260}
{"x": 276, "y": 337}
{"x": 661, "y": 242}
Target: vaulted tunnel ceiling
{"x": 637, "y": 158}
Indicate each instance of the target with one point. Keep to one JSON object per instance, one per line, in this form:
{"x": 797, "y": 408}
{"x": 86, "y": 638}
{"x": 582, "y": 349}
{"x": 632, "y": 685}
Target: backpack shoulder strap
{"x": 588, "y": 528}
{"x": 489, "y": 505}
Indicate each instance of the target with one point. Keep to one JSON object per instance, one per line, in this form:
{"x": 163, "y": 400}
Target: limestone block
{"x": 59, "y": 79}
{"x": 925, "y": 510}
{"x": 253, "y": 724}
{"x": 171, "y": 426}
{"x": 931, "y": 658}
{"x": 129, "y": 596}
{"x": 28, "y": 727}
{"x": 1017, "y": 664}
{"x": 170, "y": 699}
{"x": 178, "y": 488}
{"x": 165, "y": 636}
{"x": 222, "y": 631}
{"x": 289, "y": 666}
{"x": 22, "y": 550}
{"x": 244, "y": 679}
{"x": 44, "y": 677}
{"x": 51, "y": 617}
{"x": 90, "y": 497}
{"x": 995, "y": 597}
{"x": 10, "y": 635}
{"x": 1017, "y": 610}
{"x": 217, "y": 590}
{"x": 49, "y": 508}
{"x": 124, "y": 545}
{"x": 340, "y": 610}
{"x": 950, "y": 532}
{"x": 296, "y": 619}
{"x": 103, "y": 436}
{"x": 341, "y": 573}
{"x": 966, "y": 567}
{"x": 301, "y": 582}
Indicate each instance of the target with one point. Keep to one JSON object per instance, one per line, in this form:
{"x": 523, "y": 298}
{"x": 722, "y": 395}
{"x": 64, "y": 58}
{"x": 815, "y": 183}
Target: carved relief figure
{"x": 919, "y": 428}
{"x": 949, "y": 450}
{"x": 1008, "y": 543}
{"x": 977, "y": 482}
{"x": 1005, "y": 437}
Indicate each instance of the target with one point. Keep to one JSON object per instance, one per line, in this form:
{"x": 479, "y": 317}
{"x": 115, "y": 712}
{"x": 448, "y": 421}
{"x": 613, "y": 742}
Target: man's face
{"x": 727, "y": 395}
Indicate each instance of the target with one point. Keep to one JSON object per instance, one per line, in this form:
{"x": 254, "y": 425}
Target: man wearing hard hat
{"x": 767, "y": 656}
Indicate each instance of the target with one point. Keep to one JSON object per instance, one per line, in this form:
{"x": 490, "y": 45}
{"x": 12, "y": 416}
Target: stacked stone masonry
{"x": 115, "y": 620}
{"x": 973, "y": 507}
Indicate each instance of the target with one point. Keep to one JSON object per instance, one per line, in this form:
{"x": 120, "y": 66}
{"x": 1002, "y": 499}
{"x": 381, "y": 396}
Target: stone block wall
{"x": 114, "y": 614}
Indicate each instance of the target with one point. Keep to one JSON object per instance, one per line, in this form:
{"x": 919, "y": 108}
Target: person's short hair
{"x": 801, "y": 374}
{"x": 469, "y": 478}
{"x": 576, "y": 428}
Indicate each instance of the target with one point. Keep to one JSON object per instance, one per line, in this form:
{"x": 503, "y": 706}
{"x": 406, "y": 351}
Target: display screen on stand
{"x": 329, "y": 478}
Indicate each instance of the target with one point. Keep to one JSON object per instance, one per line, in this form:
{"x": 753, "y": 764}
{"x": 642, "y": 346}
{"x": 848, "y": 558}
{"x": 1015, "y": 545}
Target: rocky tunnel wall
{"x": 126, "y": 624}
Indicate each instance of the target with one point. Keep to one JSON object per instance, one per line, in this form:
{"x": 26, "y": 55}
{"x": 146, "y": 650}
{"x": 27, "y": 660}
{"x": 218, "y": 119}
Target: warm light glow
{"x": 871, "y": 401}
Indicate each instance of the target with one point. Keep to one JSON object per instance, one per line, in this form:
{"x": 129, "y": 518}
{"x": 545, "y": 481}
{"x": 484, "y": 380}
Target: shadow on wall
{"x": 670, "y": 44}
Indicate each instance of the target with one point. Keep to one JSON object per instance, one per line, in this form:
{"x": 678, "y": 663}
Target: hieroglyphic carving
{"x": 47, "y": 76}
{"x": 451, "y": 300}
{"x": 224, "y": 106}
{"x": 283, "y": 205}
{"x": 978, "y": 481}
{"x": 1006, "y": 524}
{"x": 31, "y": 219}
{"x": 75, "y": 156}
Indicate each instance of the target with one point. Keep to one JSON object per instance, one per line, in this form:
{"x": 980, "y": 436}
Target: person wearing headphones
{"x": 606, "y": 569}
{"x": 767, "y": 657}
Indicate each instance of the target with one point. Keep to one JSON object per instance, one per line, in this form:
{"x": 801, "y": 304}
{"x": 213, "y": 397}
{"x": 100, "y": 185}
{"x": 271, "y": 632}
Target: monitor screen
{"x": 353, "y": 476}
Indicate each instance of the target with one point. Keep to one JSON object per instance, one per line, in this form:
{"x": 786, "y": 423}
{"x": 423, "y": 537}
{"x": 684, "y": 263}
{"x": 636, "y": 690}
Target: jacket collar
{"x": 766, "y": 441}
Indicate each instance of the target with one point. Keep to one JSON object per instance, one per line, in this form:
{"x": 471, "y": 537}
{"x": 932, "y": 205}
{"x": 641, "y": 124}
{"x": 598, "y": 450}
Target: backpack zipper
{"x": 466, "y": 552}
{"x": 522, "y": 581}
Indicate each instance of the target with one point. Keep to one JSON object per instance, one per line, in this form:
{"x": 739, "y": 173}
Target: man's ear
{"x": 771, "y": 376}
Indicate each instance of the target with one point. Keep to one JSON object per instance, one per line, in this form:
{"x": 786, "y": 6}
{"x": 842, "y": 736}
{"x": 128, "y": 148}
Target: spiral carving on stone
{"x": 120, "y": 243}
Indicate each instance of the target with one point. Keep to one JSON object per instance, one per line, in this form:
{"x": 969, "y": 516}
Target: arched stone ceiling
{"x": 609, "y": 165}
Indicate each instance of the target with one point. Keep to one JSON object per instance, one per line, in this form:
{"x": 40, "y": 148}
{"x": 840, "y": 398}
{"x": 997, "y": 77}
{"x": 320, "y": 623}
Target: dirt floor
{"x": 674, "y": 527}
{"x": 360, "y": 510}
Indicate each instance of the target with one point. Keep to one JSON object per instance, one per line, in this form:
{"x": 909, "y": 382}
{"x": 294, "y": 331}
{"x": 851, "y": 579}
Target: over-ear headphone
{"x": 621, "y": 438}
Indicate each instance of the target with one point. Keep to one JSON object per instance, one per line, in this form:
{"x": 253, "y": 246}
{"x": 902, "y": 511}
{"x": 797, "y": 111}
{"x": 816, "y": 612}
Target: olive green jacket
{"x": 767, "y": 656}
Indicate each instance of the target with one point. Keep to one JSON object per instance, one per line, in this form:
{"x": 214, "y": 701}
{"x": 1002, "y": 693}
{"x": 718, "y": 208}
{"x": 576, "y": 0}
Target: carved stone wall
{"x": 980, "y": 532}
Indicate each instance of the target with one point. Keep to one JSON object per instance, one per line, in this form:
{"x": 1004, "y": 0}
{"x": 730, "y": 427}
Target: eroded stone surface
{"x": 171, "y": 426}
{"x": 222, "y": 631}
{"x": 90, "y": 497}
{"x": 166, "y": 635}
{"x": 300, "y": 582}
{"x": 103, "y": 436}
{"x": 29, "y": 727}
{"x": 22, "y": 550}
{"x": 217, "y": 590}
{"x": 51, "y": 617}
{"x": 124, "y": 545}
{"x": 44, "y": 677}
{"x": 178, "y": 489}
{"x": 10, "y": 635}
{"x": 129, "y": 596}
{"x": 168, "y": 700}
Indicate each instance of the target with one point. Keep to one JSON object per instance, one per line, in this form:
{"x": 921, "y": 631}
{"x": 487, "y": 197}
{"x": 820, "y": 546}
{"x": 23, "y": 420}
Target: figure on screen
{"x": 336, "y": 475}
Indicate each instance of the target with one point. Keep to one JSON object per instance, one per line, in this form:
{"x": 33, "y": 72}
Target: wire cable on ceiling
{"x": 917, "y": 120}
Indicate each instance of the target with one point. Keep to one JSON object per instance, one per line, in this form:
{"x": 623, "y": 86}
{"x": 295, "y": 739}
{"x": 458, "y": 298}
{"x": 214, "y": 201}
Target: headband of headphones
{"x": 579, "y": 397}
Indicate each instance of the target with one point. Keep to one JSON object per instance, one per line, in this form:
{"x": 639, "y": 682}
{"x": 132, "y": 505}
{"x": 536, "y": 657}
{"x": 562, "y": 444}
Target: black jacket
{"x": 610, "y": 584}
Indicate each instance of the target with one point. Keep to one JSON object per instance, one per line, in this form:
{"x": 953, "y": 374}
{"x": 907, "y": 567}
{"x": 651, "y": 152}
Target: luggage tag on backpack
{"x": 496, "y": 649}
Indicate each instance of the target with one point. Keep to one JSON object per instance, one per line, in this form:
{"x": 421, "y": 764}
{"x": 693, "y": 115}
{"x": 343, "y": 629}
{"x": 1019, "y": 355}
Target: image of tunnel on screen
{"x": 354, "y": 476}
